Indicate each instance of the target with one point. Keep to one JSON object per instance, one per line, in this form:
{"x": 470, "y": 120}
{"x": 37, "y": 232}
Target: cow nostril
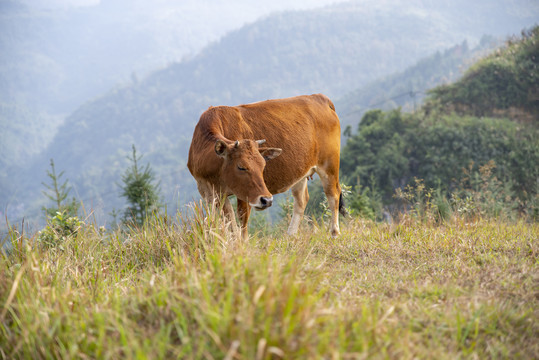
{"x": 266, "y": 202}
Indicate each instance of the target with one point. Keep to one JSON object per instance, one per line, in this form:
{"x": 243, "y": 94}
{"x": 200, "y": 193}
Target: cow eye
{"x": 241, "y": 168}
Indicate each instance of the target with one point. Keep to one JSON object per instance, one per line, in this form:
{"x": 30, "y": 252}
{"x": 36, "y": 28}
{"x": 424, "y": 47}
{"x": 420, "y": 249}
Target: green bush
{"x": 58, "y": 229}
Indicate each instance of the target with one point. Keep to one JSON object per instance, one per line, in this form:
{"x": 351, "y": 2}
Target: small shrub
{"x": 482, "y": 194}
{"x": 286, "y": 208}
{"x": 58, "y": 229}
{"x": 365, "y": 202}
{"x": 258, "y": 223}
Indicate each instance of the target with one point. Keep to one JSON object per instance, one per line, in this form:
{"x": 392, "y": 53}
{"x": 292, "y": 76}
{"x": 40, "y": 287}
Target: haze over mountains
{"x": 56, "y": 55}
{"x": 335, "y": 49}
{"x": 78, "y": 52}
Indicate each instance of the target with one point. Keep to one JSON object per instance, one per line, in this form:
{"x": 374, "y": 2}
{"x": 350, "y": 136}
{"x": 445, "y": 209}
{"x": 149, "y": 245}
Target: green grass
{"x": 186, "y": 289}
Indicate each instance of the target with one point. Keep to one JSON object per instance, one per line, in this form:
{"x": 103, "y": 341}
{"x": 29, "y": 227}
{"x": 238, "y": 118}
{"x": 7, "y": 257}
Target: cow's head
{"x": 243, "y": 168}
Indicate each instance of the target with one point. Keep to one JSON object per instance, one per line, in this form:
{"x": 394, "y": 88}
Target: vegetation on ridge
{"x": 506, "y": 80}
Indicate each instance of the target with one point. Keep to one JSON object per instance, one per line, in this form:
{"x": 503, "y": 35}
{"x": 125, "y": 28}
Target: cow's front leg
{"x": 244, "y": 211}
{"x": 230, "y": 216}
{"x": 219, "y": 202}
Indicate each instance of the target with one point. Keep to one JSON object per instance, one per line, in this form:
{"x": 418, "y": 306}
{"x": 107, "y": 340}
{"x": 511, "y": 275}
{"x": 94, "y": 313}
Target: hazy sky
{"x": 263, "y": 5}
{"x": 51, "y": 4}
{"x": 205, "y": 20}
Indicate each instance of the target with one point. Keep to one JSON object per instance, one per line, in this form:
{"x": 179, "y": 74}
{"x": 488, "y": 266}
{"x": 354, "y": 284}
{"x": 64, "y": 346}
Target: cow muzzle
{"x": 263, "y": 203}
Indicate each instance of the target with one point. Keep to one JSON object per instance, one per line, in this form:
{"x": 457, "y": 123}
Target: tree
{"x": 140, "y": 191}
{"x": 392, "y": 149}
{"x": 58, "y": 194}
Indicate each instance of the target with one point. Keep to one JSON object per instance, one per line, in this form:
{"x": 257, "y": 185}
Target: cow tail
{"x": 342, "y": 208}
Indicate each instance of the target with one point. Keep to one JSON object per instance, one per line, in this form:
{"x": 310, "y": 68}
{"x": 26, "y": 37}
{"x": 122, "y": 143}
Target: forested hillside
{"x": 506, "y": 84}
{"x": 456, "y": 153}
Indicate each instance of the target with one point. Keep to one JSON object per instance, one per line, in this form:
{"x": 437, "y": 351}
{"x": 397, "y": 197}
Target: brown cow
{"x": 302, "y": 135}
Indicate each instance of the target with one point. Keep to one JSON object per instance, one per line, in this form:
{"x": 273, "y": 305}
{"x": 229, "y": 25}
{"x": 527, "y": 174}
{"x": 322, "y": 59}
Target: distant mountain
{"x": 333, "y": 50}
{"x": 408, "y": 88}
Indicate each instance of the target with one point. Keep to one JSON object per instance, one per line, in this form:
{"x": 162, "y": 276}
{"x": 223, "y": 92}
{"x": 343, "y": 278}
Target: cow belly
{"x": 285, "y": 183}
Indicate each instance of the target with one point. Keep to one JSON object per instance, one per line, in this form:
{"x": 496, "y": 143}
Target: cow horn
{"x": 260, "y": 142}
{"x": 236, "y": 144}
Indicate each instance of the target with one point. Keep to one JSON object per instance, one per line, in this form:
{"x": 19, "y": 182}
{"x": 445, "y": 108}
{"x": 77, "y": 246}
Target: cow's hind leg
{"x": 332, "y": 188}
{"x": 300, "y": 193}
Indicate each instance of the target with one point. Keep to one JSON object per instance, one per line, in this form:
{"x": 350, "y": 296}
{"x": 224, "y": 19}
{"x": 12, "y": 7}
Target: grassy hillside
{"x": 185, "y": 289}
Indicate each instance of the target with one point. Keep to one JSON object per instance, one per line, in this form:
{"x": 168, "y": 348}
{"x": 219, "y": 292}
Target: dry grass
{"x": 188, "y": 290}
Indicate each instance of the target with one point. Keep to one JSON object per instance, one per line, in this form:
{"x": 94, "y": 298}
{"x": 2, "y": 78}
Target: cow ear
{"x": 220, "y": 148}
{"x": 270, "y": 153}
